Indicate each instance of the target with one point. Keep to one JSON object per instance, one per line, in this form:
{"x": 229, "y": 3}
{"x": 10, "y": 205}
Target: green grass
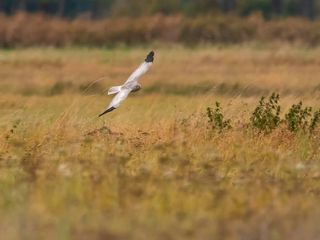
{"x": 154, "y": 168}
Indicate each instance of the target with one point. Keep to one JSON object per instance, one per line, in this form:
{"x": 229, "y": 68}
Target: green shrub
{"x": 314, "y": 121}
{"x": 266, "y": 115}
{"x": 216, "y": 118}
{"x": 298, "y": 118}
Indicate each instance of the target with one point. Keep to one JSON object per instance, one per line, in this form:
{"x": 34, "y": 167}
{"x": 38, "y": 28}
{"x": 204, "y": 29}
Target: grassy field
{"x": 154, "y": 169}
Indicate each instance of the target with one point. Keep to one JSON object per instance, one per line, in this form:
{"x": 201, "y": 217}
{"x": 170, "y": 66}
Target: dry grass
{"x": 152, "y": 169}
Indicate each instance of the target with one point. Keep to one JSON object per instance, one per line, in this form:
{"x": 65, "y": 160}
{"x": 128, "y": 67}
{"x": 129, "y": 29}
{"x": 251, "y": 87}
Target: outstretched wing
{"x": 117, "y": 100}
{"x": 142, "y": 69}
{"x": 128, "y": 86}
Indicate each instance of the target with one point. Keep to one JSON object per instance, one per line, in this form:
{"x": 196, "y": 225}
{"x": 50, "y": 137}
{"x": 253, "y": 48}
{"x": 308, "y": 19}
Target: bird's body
{"x": 131, "y": 85}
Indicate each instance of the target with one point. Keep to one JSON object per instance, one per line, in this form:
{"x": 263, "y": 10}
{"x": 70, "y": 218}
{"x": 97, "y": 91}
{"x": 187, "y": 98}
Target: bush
{"x": 299, "y": 118}
{"x": 314, "y": 121}
{"x": 216, "y": 118}
{"x": 266, "y": 116}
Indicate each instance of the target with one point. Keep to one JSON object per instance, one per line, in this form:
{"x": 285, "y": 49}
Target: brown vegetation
{"x": 33, "y": 30}
{"x": 156, "y": 168}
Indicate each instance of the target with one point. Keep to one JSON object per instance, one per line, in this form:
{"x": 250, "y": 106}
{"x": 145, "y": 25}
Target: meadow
{"x": 154, "y": 168}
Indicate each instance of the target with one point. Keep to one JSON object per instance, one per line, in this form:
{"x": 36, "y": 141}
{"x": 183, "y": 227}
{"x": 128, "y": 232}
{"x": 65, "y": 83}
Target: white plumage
{"x": 131, "y": 85}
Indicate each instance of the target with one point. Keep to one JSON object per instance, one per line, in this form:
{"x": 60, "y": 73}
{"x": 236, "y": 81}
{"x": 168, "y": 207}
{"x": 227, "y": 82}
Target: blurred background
{"x": 102, "y": 8}
{"x": 132, "y": 22}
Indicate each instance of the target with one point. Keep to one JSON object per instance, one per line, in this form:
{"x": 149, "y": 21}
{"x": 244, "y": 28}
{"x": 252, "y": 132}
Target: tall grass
{"x": 156, "y": 168}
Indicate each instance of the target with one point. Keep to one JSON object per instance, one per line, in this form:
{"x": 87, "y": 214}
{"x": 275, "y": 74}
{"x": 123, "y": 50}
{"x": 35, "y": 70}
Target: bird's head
{"x": 136, "y": 88}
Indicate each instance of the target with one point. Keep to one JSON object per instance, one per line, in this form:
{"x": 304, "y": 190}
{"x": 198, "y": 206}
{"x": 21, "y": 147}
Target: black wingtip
{"x": 108, "y": 110}
{"x": 149, "y": 57}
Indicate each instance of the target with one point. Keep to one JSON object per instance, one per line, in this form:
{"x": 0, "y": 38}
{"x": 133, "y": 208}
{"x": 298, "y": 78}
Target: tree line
{"x": 103, "y": 8}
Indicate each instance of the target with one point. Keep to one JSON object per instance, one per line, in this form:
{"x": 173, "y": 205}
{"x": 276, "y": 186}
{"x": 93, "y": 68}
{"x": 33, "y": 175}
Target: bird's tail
{"x": 114, "y": 90}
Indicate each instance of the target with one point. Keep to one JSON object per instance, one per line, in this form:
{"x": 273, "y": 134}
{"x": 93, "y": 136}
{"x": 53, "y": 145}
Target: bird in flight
{"x": 131, "y": 85}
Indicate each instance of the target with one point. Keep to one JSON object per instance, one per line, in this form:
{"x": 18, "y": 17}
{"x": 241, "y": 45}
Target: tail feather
{"x": 114, "y": 90}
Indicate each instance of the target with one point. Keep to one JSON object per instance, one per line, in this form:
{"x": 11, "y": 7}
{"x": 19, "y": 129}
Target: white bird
{"x": 131, "y": 85}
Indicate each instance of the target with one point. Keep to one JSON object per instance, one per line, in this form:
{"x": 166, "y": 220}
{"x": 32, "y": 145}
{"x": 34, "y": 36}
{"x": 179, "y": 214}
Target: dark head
{"x": 149, "y": 57}
{"x": 136, "y": 88}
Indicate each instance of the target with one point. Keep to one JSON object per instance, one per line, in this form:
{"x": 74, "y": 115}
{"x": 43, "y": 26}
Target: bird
{"x": 131, "y": 85}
